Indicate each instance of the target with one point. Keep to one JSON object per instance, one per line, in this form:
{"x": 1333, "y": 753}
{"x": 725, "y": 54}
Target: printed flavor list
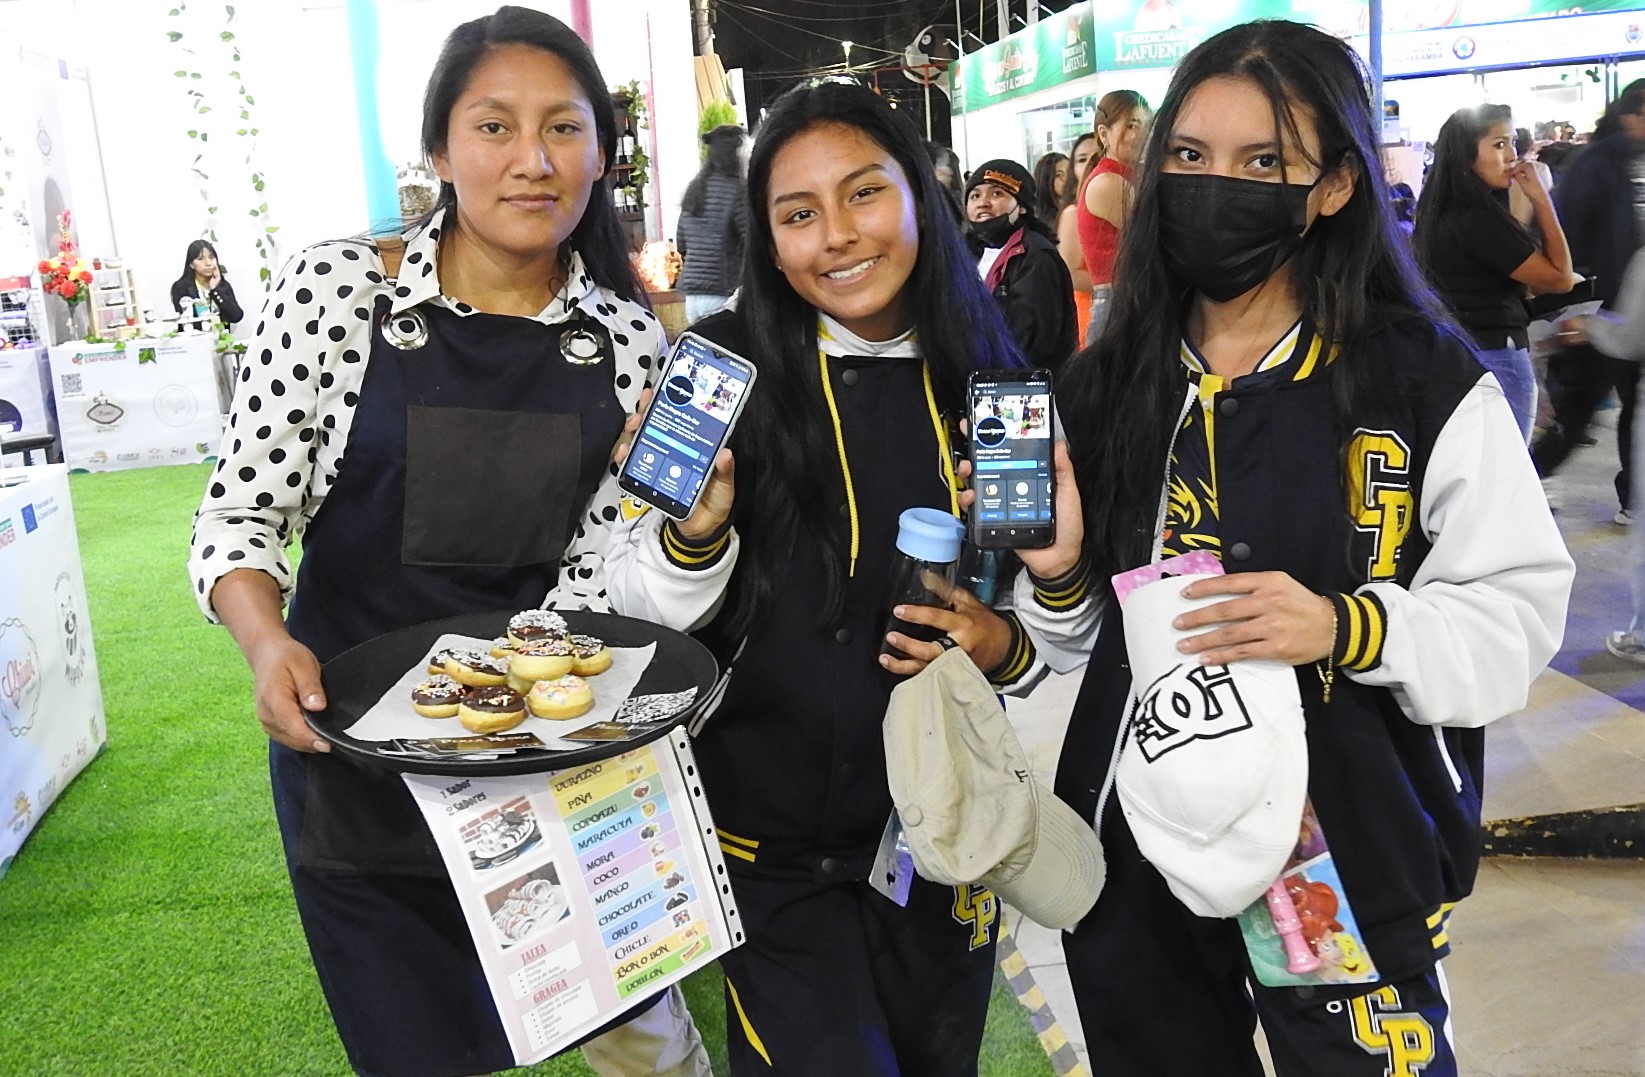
{"x": 585, "y": 889}
{"x": 627, "y": 837}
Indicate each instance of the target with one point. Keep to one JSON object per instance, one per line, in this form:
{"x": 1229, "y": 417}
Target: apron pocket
{"x": 491, "y": 488}
{"x": 361, "y": 820}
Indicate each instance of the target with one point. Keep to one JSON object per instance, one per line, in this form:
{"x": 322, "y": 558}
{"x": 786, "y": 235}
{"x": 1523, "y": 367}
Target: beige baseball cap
{"x": 970, "y": 806}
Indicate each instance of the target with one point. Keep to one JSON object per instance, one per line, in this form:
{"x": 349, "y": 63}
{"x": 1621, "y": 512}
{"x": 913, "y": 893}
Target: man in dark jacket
{"x": 1601, "y": 203}
{"x": 1017, "y": 256}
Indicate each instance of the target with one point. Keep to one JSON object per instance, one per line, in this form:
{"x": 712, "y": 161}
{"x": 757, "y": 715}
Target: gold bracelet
{"x": 1326, "y": 666}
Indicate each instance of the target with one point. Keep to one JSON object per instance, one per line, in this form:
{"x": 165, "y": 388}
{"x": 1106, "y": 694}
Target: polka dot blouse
{"x": 299, "y": 384}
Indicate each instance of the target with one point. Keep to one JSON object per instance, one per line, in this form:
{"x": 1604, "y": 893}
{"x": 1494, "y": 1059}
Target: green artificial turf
{"x": 147, "y": 926}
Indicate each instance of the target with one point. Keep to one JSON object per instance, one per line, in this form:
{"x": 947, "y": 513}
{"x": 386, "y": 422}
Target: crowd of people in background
{"x": 1510, "y": 228}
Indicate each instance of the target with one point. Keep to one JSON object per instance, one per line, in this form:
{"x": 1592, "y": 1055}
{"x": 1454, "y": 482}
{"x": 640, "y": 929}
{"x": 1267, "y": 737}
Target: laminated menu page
{"x": 586, "y": 890}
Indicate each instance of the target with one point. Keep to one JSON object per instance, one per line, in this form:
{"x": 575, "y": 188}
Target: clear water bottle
{"x": 922, "y": 572}
{"x": 980, "y": 572}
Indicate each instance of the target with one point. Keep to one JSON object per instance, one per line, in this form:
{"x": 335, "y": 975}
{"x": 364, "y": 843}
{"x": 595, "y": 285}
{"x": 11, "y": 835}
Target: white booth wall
{"x": 998, "y": 130}
{"x": 295, "y": 62}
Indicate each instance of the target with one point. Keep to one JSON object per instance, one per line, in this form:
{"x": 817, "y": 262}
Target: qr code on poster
{"x": 72, "y": 386}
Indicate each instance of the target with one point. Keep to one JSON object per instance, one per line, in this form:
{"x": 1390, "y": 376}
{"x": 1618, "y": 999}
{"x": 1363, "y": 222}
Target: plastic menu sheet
{"x": 586, "y": 890}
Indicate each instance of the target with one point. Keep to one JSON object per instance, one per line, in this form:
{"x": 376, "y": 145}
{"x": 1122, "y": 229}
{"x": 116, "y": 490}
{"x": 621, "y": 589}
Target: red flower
{"x": 85, "y": 277}
{"x": 45, "y": 266}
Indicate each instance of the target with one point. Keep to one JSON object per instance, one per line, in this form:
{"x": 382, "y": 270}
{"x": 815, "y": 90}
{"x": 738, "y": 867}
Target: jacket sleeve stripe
{"x": 683, "y": 553}
{"x": 1066, "y": 592}
{"x": 1376, "y": 624}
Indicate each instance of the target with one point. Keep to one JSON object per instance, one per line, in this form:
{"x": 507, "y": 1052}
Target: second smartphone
{"x": 701, "y": 392}
{"x": 1011, "y": 462}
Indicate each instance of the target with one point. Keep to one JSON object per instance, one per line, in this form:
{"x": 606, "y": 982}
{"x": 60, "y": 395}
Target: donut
{"x": 502, "y": 647}
{"x": 437, "y": 697}
{"x": 437, "y": 661}
{"x": 541, "y": 660}
{"x": 476, "y": 670}
{"x": 563, "y": 697}
{"x": 529, "y": 625}
{"x": 591, "y": 654}
{"x": 491, "y": 710}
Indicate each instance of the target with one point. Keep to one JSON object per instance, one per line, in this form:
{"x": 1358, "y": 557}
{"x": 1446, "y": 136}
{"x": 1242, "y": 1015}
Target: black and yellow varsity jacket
{"x": 1450, "y": 583}
{"x": 792, "y": 757}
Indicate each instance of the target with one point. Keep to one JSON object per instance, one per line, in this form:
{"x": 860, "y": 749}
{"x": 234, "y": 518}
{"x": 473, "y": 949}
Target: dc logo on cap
{"x": 1199, "y": 704}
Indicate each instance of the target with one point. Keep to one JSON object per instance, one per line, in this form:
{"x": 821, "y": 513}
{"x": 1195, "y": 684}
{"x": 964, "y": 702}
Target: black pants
{"x": 1579, "y": 379}
{"x": 836, "y": 979}
{"x": 1164, "y": 993}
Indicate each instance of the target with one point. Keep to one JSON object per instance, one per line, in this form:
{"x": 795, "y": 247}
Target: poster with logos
{"x": 25, "y": 382}
{"x": 51, "y": 705}
{"x": 136, "y": 403}
{"x": 586, "y": 890}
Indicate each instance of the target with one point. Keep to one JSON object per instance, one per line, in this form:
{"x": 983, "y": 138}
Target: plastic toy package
{"x": 1302, "y": 933}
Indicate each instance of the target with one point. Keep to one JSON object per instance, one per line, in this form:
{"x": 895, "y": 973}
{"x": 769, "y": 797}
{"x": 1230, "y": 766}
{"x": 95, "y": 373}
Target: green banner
{"x": 1122, "y": 35}
{"x": 1157, "y": 33}
{"x": 1055, "y": 50}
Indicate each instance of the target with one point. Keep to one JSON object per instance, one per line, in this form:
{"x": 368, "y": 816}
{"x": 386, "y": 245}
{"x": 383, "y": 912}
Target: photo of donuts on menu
{"x": 527, "y": 905}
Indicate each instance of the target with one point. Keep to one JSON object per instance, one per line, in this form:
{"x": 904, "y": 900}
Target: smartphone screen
{"x": 698, "y": 398}
{"x": 1011, "y": 468}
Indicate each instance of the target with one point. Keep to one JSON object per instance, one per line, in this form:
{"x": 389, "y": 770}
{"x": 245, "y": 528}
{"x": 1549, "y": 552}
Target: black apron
{"x": 475, "y": 446}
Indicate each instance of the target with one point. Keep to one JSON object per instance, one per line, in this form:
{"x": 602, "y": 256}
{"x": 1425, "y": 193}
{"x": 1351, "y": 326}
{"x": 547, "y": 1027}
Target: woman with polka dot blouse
{"x": 435, "y": 418}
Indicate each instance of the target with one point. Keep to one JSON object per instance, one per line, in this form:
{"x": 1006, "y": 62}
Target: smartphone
{"x": 699, "y": 395}
{"x": 1011, "y": 465}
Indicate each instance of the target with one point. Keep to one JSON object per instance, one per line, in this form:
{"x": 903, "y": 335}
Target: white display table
{"x": 137, "y": 403}
{"x": 51, "y": 704}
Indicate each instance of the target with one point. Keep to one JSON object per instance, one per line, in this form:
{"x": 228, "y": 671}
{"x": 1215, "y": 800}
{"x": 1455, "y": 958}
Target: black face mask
{"x": 994, "y": 231}
{"x": 1226, "y": 236}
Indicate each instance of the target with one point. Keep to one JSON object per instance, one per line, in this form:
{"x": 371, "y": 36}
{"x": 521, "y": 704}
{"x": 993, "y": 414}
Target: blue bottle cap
{"x": 930, "y": 535}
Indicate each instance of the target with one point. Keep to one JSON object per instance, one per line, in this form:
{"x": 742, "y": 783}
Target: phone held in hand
{"x": 700, "y": 393}
{"x": 1011, "y": 462}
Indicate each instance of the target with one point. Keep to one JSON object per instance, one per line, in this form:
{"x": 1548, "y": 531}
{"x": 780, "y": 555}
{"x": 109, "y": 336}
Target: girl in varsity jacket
{"x": 864, "y": 314}
{"x": 1322, "y": 427}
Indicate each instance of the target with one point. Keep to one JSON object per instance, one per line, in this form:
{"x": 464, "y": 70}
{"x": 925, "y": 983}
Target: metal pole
{"x": 965, "y": 112}
{"x": 1002, "y": 10}
{"x": 582, "y": 21}
{"x": 927, "y": 76}
{"x": 1375, "y": 29}
{"x": 382, "y": 193}
{"x": 702, "y": 32}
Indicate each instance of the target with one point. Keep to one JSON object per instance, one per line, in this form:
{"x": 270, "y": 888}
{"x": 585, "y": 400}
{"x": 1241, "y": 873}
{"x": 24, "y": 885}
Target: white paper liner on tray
{"x": 391, "y": 717}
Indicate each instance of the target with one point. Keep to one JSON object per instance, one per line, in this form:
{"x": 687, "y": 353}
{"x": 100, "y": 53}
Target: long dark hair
{"x": 1453, "y": 187}
{"x": 1046, "y": 199}
{"x": 784, "y": 445}
{"x": 194, "y": 249}
{"x": 1121, "y": 398}
{"x": 1114, "y": 109}
{"x": 1630, "y": 102}
{"x": 599, "y": 236}
{"x": 1076, "y": 176}
{"x": 723, "y": 159}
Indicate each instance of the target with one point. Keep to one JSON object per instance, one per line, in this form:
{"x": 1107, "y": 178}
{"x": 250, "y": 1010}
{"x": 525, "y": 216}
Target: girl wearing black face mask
{"x": 1319, "y": 425}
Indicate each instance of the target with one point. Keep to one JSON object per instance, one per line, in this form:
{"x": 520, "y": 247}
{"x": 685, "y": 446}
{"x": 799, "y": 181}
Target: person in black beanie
{"x": 1017, "y": 257}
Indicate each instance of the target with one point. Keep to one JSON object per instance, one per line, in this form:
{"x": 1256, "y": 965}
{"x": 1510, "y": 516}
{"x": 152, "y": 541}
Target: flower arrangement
{"x": 65, "y": 274}
{"x": 658, "y": 265}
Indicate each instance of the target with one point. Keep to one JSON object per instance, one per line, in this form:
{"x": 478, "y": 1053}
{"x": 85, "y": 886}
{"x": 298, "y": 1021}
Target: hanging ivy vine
{"x": 244, "y": 128}
{"x": 637, "y": 119}
{"x": 7, "y": 155}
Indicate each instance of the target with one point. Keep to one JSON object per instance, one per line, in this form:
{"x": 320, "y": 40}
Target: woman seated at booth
{"x": 203, "y": 278}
